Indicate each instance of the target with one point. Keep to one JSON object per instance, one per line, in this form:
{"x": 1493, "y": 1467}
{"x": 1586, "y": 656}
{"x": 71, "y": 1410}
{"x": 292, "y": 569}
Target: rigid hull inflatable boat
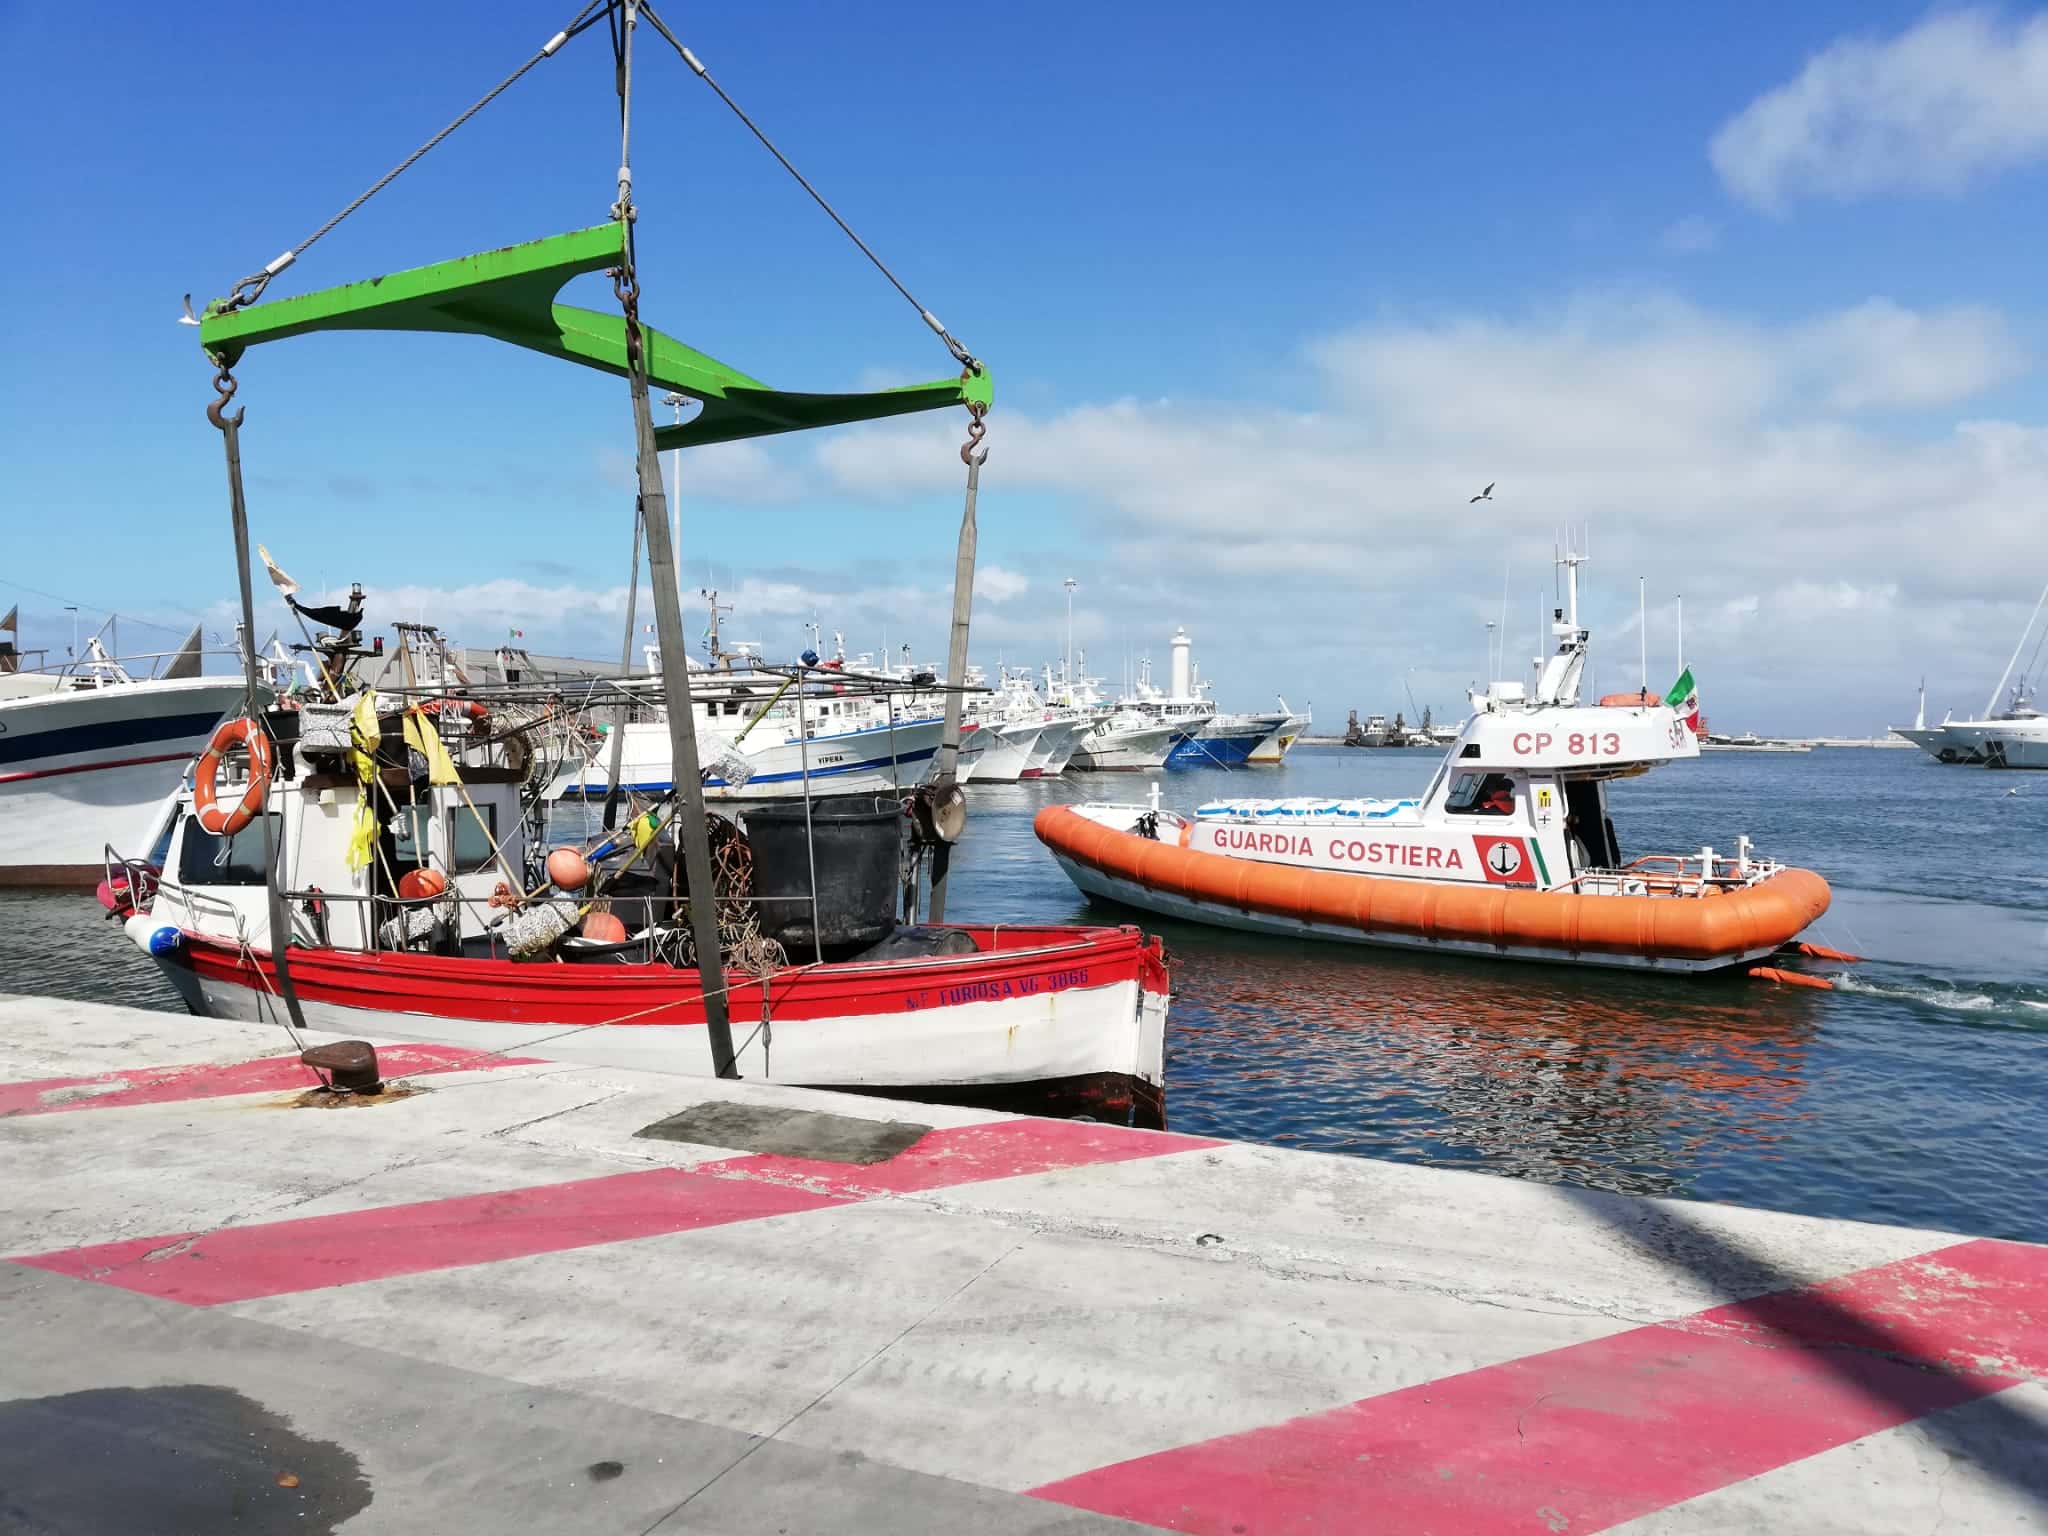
{"x": 1509, "y": 852}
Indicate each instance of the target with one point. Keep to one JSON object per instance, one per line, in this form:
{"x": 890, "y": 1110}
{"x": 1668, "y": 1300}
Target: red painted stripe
{"x": 212, "y": 1080}
{"x": 311, "y": 1253}
{"x": 1012, "y": 963}
{"x": 280, "y": 1257}
{"x": 126, "y": 762}
{"x": 1584, "y": 1438}
{"x": 970, "y": 1154}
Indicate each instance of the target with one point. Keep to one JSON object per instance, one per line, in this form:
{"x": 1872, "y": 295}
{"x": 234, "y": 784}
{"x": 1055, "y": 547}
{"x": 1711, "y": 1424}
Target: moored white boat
{"x": 94, "y": 758}
{"x": 1276, "y": 744}
{"x": 1125, "y": 741}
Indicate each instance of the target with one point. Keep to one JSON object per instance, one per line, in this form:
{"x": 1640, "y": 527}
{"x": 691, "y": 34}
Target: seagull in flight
{"x": 1487, "y": 494}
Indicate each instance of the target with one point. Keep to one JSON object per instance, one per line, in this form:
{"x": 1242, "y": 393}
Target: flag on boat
{"x": 278, "y": 579}
{"x": 518, "y": 634}
{"x": 424, "y": 737}
{"x": 365, "y": 733}
{"x": 1684, "y": 697}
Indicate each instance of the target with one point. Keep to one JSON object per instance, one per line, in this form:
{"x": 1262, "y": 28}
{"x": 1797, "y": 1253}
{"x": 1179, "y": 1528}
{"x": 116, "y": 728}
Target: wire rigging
{"x": 250, "y": 288}
{"x": 960, "y": 353}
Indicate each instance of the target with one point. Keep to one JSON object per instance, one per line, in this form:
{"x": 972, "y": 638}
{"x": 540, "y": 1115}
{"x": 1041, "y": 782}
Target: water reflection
{"x": 1614, "y": 1082}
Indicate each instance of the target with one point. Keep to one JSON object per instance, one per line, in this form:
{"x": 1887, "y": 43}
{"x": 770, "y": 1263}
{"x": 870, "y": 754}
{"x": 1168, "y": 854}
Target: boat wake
{"x": 1995, "y": 1003}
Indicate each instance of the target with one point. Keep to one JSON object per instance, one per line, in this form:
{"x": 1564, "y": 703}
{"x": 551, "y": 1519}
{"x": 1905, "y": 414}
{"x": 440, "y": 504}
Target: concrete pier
{"x": 517, "y": 1294}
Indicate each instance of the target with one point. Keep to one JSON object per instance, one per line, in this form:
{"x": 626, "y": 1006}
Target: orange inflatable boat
{"x": 1662, "y": 916}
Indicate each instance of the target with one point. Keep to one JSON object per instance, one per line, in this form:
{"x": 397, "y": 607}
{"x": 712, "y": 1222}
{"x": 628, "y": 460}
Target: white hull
{"x": 1275, "y": 746}
{"x": 878, "y": 760}
{"x": 1008, "y": 754}
{"x": 1928, "y": 738}
{"x": 1970, "y": 741}
{"x": 2021, "y": 744}
{"x": 1015, "y": 1041}
{"x": 1055, "y": 749}
{"x": 1216, "y": 914}
{"x": 82, "y": 769}
{"x": 1126, "y": 750}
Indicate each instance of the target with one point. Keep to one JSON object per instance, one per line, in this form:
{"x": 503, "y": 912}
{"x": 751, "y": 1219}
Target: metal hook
{"x": 976, "y": 427}
{"x": 224, "y": 383}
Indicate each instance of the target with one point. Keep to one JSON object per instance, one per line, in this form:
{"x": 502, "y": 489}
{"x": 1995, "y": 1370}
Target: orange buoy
{"x": 568, "y": 869}
{"x": 1791, "y": 978}
{"x": 419, "y": 884}
{"x": 604, "y": 928}
{"x": 205, "y": 777}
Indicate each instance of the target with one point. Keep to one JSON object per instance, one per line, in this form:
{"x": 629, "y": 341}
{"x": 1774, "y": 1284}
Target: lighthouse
{"x": 1183, "y": 676}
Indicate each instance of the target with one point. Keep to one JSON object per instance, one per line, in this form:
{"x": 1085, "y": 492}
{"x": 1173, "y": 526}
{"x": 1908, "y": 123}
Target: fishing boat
{"x": 372, "y": 860}
{"x": 431, "y": 938}
{"x": 1277, "y": 743}
{"x": 1125, "y": 741}
{"x": 1182, "y": 704}
{"x": 91, "y": 753}
{"x": 840, "y": 743}
{"x": 1509, "y": 852}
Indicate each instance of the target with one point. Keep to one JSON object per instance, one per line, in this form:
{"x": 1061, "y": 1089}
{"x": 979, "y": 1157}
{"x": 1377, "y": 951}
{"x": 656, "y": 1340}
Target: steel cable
{"x": 960, "y": 354}
{"x": 250, "y": 288}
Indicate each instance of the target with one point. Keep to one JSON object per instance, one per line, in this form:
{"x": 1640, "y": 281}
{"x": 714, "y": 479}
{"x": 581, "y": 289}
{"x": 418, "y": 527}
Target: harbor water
{"x": 1911, "y": 1093}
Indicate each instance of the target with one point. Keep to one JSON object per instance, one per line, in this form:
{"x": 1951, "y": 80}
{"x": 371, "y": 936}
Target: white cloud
{"x": 1691, "y": 235}
{"x": 997, "y": 585}
{"x": 1327, "y": 550}
{"x": 1880, "y": 355}
{"x": 1830, "y": 548}
{"x": 1958, "y": 96}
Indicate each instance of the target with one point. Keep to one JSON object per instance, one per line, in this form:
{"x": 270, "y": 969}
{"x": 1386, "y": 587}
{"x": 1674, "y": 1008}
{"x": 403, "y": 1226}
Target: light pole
{"x": 1068, "y": 677}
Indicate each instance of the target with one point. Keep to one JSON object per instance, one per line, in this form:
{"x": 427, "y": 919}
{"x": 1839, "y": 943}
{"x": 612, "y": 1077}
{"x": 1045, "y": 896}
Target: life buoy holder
{"x": 205, "y": 790}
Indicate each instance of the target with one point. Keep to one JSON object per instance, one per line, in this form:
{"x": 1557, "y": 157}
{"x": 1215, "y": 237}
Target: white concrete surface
{"x": 907, "y": 1362}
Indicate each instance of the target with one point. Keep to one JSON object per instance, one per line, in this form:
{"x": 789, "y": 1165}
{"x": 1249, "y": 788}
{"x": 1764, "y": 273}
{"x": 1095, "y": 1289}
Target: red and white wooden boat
{"x": 1053, "y": 1020}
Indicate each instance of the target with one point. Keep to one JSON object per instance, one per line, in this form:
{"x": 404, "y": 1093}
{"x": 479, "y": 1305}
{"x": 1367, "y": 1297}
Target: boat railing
{"x": 1676, "y": 874}
{"x": 306, "y": 911}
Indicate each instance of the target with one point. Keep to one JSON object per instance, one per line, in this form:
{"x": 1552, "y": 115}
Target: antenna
{"x": 1643, "y": 629}
{"x": 1505, "y": 571}
{"x": 1681, "y": 632}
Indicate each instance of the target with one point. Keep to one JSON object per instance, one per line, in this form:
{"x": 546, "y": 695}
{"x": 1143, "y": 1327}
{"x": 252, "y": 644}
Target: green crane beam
{"x": 509, "y": 295}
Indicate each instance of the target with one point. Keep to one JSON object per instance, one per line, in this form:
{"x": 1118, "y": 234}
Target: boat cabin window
{"x": 1481, "y": 794}
{"x": 409, "y": 835}
{"x": 244, "y": 863}
{"x": 470, "y": 845}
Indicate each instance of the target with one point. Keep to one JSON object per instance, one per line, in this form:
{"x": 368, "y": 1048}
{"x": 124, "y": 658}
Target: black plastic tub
{"x": 857, "y": 841}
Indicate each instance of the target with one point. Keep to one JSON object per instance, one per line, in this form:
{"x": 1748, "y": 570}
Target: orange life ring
{"x": 205, "y": 806}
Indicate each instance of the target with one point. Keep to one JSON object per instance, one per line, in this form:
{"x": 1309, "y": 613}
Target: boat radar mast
{"x": 1559, "y": 682}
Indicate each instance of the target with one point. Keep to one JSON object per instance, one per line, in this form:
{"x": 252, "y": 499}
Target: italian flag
{"x": 1684, "y": 696}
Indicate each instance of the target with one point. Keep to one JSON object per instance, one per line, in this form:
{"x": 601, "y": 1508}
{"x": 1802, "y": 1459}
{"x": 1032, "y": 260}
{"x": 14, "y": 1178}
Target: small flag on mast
{"x": 1684, "y": 697}
{"x": 518, "y": 634}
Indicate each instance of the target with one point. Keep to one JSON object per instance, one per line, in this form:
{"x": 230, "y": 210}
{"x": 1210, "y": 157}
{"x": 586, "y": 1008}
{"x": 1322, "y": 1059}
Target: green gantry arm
{"x": 509, "y": 295}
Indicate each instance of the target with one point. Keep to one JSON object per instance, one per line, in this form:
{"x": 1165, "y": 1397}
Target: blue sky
{"x": 1753, "y": 293}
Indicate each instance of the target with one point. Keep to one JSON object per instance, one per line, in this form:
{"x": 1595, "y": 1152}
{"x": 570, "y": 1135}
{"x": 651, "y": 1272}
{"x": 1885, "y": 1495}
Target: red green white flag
{"x": 1684, "y": 696}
